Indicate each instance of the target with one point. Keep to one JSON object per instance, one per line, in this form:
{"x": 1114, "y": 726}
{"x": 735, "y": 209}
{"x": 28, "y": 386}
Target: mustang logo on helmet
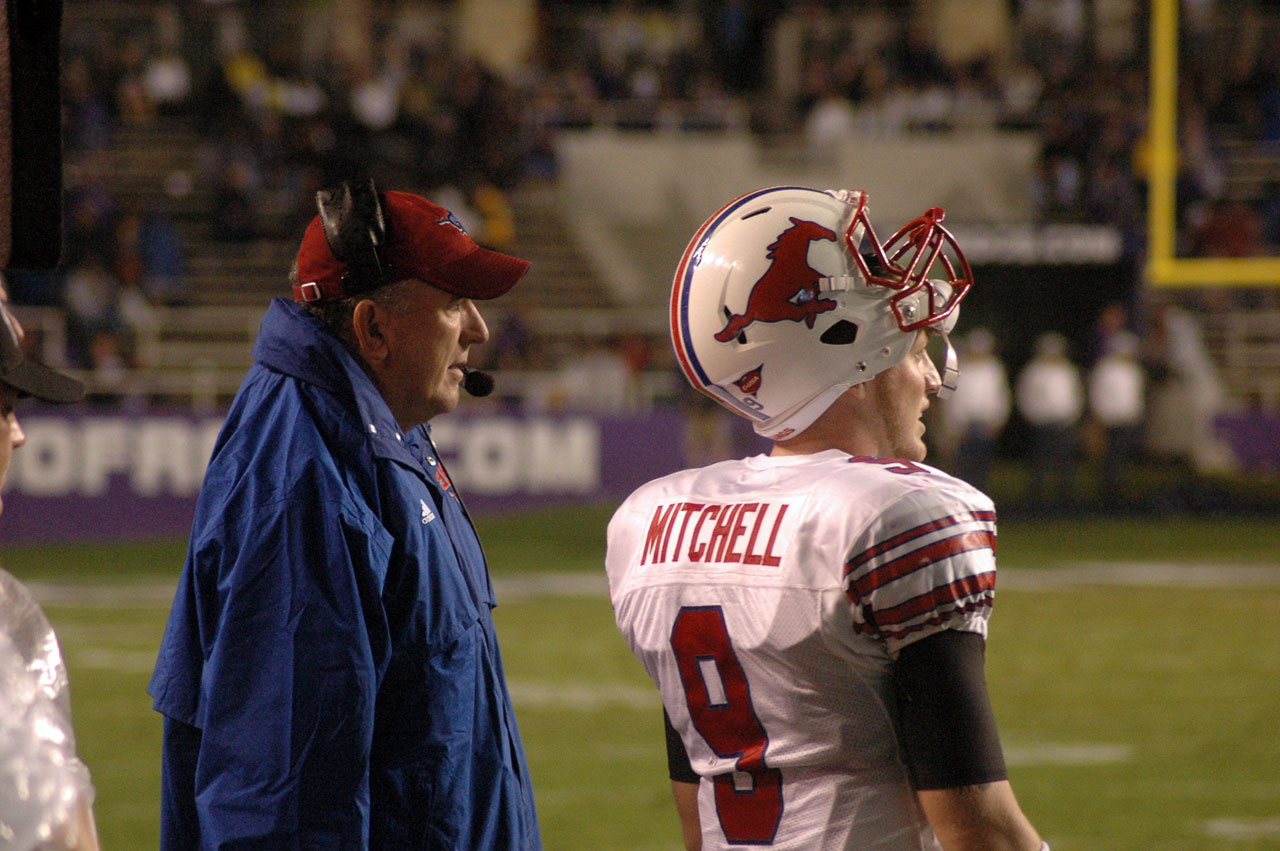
{"x": 788, "y": 290}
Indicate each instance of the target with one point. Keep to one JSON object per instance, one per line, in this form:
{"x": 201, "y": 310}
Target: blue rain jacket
{"x": 330, "y": 675}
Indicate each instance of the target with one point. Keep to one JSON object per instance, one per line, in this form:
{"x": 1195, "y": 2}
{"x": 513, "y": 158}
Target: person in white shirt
{"x": 46, "y": 792}
{"x": 1050, "y": 397}
{"x": 815, "y": 618}
{"x": 1117, "y": 402}
{"x": 978, "y": 410}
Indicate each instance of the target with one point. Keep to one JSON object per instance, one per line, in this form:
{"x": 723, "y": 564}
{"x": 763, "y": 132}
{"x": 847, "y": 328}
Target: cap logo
{"x": 788, "y": 290}
{"x": 451, "y": 219}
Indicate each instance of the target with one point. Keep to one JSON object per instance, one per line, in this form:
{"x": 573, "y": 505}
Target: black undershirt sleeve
{"x": 946, "y": 730}
{"x": 678, "y": 767}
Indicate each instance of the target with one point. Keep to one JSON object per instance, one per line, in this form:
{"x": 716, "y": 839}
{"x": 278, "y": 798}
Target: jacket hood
{"x": 294, "y": 343}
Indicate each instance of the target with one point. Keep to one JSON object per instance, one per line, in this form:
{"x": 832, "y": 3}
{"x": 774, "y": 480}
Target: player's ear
{"x": 370, "y": 333}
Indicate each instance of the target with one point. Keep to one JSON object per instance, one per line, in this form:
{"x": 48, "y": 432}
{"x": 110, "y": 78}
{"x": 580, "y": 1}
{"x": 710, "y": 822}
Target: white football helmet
{"x": 785, "y": 298}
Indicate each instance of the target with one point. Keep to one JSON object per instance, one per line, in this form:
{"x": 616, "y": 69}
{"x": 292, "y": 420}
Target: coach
{"x": 330, "y": 675}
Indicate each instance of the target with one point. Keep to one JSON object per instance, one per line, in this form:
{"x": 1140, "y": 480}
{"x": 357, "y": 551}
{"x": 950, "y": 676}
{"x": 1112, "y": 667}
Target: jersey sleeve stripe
{"x": 964, "y": 591}
{"x": 936, "y": 607}
{"x": 880, "y": 575}
{"x": 985, "y": 519}
{"x": 897, "y": 634}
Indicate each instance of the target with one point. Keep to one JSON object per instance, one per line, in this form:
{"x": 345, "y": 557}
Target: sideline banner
{"x": 108, "y": 475}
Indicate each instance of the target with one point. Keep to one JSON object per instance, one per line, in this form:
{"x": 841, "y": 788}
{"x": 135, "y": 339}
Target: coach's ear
{"x": 370, "y": 335}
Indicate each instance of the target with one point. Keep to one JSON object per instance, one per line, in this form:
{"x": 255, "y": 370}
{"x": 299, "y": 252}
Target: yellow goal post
{"x": 1164, "y": 267}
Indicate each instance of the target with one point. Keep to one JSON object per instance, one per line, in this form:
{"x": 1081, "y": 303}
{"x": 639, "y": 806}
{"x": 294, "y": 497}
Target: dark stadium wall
{"x": 30, "y": 135}
{"x": 1018, "y": 303}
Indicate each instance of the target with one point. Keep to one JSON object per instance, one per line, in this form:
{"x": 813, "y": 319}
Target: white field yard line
{"x": 581, "y": 696}
{"x": 1067, "y": 753}
{"x": 112, "y": 659}
{"x": 159, "y": 593}
{"x": 130, "y": 593}
{"x": 1136, "y": 573}
{"x": 156, "y": 593}
{"x": 1142, "y": 573}
{"x": 1242, "y": 829}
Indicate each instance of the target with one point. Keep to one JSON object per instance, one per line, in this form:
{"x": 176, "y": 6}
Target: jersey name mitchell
{"x": 734, "y": 533}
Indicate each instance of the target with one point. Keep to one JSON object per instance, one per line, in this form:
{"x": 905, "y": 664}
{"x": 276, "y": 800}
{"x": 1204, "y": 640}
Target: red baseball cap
{"x": 423, "y": 241}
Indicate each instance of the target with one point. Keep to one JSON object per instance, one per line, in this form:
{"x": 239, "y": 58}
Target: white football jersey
{"x": 767, "y": 598}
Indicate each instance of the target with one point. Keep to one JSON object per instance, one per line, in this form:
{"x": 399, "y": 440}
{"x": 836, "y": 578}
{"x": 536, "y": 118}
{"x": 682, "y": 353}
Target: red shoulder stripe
{"x": 940, "y": 618}
{"x": 919, "y": 531}
{"x": 929, "y": 554}
{"x": 939, "y": 599}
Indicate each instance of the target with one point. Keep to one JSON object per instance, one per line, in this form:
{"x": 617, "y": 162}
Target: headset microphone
{"x": 476, "y": 383}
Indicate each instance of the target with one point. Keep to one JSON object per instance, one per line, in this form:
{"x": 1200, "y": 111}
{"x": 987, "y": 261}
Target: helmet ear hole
{"x": 842, "y": 333}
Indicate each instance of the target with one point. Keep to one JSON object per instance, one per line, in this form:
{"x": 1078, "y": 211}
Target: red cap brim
{"x": 482, "y": 274}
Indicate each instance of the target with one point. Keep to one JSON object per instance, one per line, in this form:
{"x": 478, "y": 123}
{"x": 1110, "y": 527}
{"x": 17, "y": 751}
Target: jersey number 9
{"x": 748, "y": 800}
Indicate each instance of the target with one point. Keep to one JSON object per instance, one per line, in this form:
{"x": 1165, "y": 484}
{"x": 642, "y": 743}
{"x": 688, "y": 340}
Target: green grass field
{"x": 1135, "y": 668}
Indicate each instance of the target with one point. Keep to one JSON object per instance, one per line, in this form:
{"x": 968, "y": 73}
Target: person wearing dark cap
{"x": 330, "y": 676}
{"x": 46, "y": 794}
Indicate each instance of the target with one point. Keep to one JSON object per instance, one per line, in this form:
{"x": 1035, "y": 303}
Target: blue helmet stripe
{"x": 683, "y": 310}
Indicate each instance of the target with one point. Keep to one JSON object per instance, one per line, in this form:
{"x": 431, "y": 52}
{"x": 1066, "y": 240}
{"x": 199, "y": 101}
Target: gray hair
{"x": 337, "y": 314}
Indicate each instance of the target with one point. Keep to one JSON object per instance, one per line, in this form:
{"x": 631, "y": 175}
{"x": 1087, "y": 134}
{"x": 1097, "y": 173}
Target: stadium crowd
{"x": 285, "y": 108}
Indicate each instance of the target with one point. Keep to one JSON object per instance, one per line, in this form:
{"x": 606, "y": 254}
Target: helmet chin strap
{"x": 950, "y": 368}
{"x": 791, "y": 423}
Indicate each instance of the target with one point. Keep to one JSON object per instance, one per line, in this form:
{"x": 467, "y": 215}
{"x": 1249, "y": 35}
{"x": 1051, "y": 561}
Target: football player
{"x": 816, "y": 618}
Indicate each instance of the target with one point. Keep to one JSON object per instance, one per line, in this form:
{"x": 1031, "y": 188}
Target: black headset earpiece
{"x": 356, "y": 231}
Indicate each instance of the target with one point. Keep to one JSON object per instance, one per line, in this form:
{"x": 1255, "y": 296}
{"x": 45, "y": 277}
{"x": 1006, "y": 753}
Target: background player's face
{"x": 430, "y": 338}
{"x": 11, "y": 436}
{"x": 899, "y": 397}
